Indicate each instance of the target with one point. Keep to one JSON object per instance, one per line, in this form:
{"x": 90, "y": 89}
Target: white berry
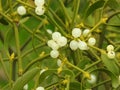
{"x": 91, "y": 41}
{"x": 54, "y": 53}
{"x": 86, "y": 32}
{"x": 82, "y": 45}
{"x": 93, "y": 79}
{"x": 56, "y": 35}
{"x": 110, "y": 48}
{"x": 53, "y": 44}
{"x": 39, "y": 2}
{"x": 59, "y": 62}
{"x": 76, "y": 32}
{"x": 21, "y": 10}
{"x": 111, "y": 54}
{"x": 62, "y": 41}
{"x": 49, "y": 31}
{"x": 25, "y": 87}
{"x": 39, "y": 10}
{"x": 73, "y": 45}
{"x": 40, "y": 88}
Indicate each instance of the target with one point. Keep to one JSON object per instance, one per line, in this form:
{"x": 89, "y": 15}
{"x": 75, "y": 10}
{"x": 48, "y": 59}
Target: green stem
{"x": 64, "y": 10}
{"x": 27, "y": 29}
{"x": 76, "y": 9}
{"x": 34, "y": 61}
{"x": 101, "y": 83}
{"x": 10, "y": 4}
{"x": 0, "y": 5}
{"x": 54, "y": 23}
{"x": 18, "y": 48}
{"x": 24, "y": 3}
{"x": 75, "y": 67}
{"x": 4, "y": 68}
{"x": 56, "y": 16}
{"x": 11, "y": 63}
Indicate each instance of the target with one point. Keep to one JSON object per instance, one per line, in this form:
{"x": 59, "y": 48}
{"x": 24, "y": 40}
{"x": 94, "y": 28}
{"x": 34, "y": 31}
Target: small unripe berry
{"x": 53, "y": 44}
{"x": 76, "y": 32}
{"x": 110, "y": 48}
{"x": 62, "y": 41}
{"x": 85, "y": 32}
{"x": 39, "y": 10}
{"x": 49, "y": 31}
{"x": 40, "y": 88}
{"x": 21, "y": 10}
{"x": 111, "y": 54}
{"x": 39, "y": 2}
{"x": 59, "y": 62}
{"x": 91, "y": 41}
{"x": 56, "y": 35}
{"x": 73, "y": 45}
{"x": 82, "y": 45}
{"x": 93, "y": 79}
{"x": 54, "y": 53}
{"x": 25, "y": 87}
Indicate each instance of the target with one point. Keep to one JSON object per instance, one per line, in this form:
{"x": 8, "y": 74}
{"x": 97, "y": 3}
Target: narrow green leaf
{"x": 45, "y": 74}
{"x": 93, "y": 7}
{"x": 75, "y": 86}
{"x": 114, "y": 78}
{"x": 110, "y": 64}
{"x": 25, "y": 78}
{"x": 113, "y": 4}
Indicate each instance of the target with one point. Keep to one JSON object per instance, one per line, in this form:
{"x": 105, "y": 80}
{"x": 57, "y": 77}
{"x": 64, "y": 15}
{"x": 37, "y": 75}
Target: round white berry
{"x": 53, "y": 44}
{"x": 82, "y": 45}
{"x": 85, "y": 32}
{"x": 111, "y": 54}
{"x": 59, "y": 62}
{"x": 62, "y": 41}
{"x": 91, "y": 41}
{"x": 73, "y": 45}
{"x": 76, "y": 32}
{"x": 25, "y": 87}
{"x": 21, "y": 10}
{"x": 39, "y": 2}
{"x": 56, "y": 35}
{"x": 39, "y": 10}
{"x": 110, "y": 48}
{"x": 54, "y": 53}
{"x": 40, "y": 88}
{"x": 93, "y": 79}
{"x": 49, "y": 31}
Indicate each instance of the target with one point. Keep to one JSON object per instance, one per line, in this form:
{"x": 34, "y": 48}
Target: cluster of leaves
{"x": 26, "y": 36}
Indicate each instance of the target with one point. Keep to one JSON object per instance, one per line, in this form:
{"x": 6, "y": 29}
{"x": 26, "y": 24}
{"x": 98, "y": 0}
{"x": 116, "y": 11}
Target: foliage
{"x": 25, "y": 55}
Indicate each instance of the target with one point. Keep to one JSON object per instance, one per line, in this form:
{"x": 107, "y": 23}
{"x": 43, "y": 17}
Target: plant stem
{"x": 76, "y": 9}
{"x": 34, "y": 61}
{"x": 64, "y": 10}
{"x": 18, "y": 49}
{"x": 4, "y": 68}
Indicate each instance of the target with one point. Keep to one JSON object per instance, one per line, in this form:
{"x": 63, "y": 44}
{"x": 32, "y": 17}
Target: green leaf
{"x": 110, "y": 64}
{"x": 25, "y": 78}
{"x": 93, "y": 7}
{"x": 113, "y": 4}
{"x": 45, "y": 74}
{"x": 114, "y": 78}
{"x": 75, "y": 86}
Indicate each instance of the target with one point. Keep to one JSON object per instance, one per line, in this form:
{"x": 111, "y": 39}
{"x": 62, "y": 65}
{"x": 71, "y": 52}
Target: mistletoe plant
{"x": 59, "y": 45}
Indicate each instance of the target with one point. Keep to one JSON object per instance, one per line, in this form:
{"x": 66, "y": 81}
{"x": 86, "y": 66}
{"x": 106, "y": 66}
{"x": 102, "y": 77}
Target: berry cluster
{"x": 55, "y": 43}
{"x": 39, "y": 10}
{"x": 81, "y": 44}
{"x": 110, "y": 51}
